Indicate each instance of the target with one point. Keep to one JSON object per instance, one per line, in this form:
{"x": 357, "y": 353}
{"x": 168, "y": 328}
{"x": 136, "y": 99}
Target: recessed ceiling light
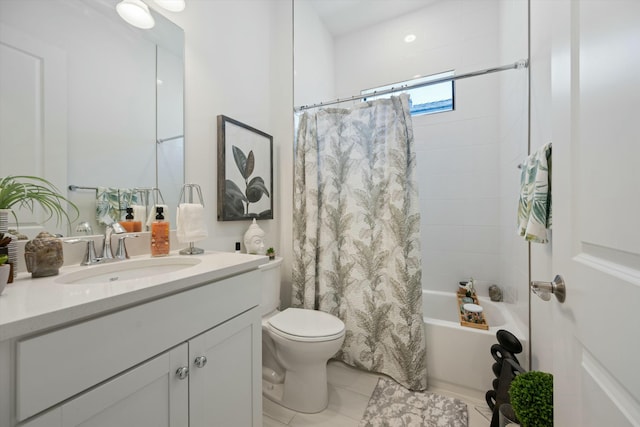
{"x": 409, "y": 38}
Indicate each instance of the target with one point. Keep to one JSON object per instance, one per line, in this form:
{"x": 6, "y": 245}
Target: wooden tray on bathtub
{"x": 483, "y": 321}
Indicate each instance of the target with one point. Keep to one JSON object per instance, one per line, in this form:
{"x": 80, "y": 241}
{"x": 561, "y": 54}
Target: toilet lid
{"x": 302, "y": 323}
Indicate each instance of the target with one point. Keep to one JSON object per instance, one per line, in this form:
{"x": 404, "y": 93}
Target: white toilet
{"x": 296, "y": 346}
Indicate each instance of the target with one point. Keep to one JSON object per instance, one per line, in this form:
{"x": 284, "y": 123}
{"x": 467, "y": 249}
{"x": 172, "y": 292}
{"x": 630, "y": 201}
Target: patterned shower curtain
{"x": 356, "y": 234}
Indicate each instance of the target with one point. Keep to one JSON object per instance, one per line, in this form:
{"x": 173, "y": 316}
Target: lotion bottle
{"x": 159, "y": 234}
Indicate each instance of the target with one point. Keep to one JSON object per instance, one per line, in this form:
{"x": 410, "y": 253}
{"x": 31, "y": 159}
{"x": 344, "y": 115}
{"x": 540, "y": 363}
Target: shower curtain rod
{"x": 523, "y": 63}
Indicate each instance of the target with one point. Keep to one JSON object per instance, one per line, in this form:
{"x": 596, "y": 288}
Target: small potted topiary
{"x": 531, "y": 395}
{"x": 271, "y": 253}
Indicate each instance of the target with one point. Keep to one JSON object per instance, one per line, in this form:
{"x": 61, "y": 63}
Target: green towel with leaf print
{"x": 534, "y": 207}
{"x": 112, "y": 202}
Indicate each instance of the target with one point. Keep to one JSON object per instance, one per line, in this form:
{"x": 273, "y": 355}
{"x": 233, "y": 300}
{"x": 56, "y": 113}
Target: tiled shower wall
{"x": 467, "y": 159}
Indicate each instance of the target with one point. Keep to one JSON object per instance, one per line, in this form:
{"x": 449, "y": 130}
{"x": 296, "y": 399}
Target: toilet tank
{"x": 270, "y": 286}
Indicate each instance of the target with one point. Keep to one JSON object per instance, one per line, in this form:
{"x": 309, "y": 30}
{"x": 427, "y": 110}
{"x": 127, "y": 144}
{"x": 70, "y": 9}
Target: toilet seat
{"x": 303, "y": 325}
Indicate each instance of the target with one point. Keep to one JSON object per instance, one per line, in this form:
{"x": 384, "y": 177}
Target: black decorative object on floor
{"x": 505, "y": 368}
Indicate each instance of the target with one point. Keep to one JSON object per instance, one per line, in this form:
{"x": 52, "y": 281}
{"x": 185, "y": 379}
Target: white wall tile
{"x": 482, "y": 240}
{"x": 444, "y": 211}
{"x": 482, "y": 212}
{"x": 468, "y": 180}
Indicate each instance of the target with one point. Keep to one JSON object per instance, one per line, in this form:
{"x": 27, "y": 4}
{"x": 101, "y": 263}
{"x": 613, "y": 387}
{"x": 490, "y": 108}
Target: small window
{"x": 423, "y": 100}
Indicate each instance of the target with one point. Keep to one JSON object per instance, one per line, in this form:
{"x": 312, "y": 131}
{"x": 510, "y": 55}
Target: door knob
{"x": 182, "y": 373}
{"x": 545, "y": 289}
{"x": 200, "y": 361}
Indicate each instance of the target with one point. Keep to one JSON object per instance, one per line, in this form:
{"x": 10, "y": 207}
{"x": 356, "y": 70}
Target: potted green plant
{"x": 531, "y": 395}
{"x": 271, "y": 253}
{"x": 24, "y": 191}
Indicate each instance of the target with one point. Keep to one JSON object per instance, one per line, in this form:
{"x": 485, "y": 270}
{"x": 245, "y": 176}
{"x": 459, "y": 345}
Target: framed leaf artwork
{"x": 245, "y": 171}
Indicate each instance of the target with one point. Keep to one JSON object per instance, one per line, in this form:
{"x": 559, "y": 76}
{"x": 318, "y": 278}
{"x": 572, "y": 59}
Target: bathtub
{"x": 458, "y": 355}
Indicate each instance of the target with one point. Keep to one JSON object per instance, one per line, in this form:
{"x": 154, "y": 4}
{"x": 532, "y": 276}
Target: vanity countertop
{"x": 30, "y": 305}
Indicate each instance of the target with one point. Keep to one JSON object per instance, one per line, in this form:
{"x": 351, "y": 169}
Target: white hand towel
{"x": 152, "y": 214}
{"x": 139, "y": 212}
{"x": 190, "y": 223}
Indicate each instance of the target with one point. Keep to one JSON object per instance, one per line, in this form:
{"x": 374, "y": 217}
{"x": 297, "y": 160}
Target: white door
{"x": 596, "y": 212}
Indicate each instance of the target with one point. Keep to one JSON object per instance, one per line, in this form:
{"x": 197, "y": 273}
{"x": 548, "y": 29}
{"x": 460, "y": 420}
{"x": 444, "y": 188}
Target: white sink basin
{"x": 127, "y": 270}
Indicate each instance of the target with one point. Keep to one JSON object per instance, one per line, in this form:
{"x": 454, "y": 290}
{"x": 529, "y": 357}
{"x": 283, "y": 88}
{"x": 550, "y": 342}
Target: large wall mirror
{"x": 89, "y": 101}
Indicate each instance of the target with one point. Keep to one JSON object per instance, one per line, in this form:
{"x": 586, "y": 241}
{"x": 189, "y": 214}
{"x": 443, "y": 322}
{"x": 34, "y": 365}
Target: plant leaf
{"x": 241, "y": 159}
{"x": 233, "y": 207}
{"x": 233, "y": 191}
{"x": 265, "y": 214}
{"x": 26, "y": 191}
{"x": 255, "y": 189}
{"x": 250, "y": 165}
{"x": 233, "y": 200}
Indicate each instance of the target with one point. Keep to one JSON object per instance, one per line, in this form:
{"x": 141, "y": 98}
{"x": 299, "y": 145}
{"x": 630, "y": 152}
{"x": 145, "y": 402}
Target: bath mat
{"x": 393, "y": 405}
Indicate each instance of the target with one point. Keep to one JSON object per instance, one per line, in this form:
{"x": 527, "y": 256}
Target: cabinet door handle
{"x": 182, "y": 373}
{"x": 200, "y": 361}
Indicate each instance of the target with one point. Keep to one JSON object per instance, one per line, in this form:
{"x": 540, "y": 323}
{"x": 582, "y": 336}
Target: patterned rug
{"x": 392, "y": 405}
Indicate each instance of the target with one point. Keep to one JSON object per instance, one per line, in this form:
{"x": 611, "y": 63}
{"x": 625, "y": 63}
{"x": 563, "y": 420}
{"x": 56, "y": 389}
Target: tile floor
{"x": 349, "y": 393}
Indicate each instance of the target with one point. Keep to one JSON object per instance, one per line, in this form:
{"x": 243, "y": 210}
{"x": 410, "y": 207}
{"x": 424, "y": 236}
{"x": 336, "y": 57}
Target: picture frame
{"x": 245, "y": 171}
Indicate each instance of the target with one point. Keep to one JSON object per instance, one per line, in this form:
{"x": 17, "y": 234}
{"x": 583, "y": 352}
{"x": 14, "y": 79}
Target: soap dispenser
{"x": 159, "y": 234}
{"x": 129, "y": 224}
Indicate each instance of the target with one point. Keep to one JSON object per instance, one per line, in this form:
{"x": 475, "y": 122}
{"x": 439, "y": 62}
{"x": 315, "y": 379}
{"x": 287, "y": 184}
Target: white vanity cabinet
{"x": 192, "y": 358}
{"x": 223, "y": 388}
{"x": 148, "y": 395}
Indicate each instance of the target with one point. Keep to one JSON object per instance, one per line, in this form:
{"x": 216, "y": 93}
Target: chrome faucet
{"x": 114, "y": 227}
{"x": 90, "y": 257}
{"x": 121, "y": 252}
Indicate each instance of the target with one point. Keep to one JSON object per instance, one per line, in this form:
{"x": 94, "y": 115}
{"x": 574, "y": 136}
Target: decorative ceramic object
{"x": 5, "y": 269}
{"x": 509, "y": 341}
{"x": 12, "y": 246}
{"x": 43, "y": 255}
{"x": 495, "y": 293}
{"x": 472, "y": 312}
{"x": 4, "y": 220}
{"x": 254, "y": 239}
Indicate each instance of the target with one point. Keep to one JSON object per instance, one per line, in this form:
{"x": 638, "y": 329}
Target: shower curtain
{"x": 356, "y": 234}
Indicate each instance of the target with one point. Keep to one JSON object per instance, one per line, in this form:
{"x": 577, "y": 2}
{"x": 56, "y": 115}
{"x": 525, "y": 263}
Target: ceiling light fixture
{"x": 409, "y": 38}
{"x": 136, "y": 13}
{"x": 171, "y": 5}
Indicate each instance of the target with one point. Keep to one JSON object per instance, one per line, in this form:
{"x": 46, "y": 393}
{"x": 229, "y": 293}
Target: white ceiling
{"x": 344, "y": 16}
